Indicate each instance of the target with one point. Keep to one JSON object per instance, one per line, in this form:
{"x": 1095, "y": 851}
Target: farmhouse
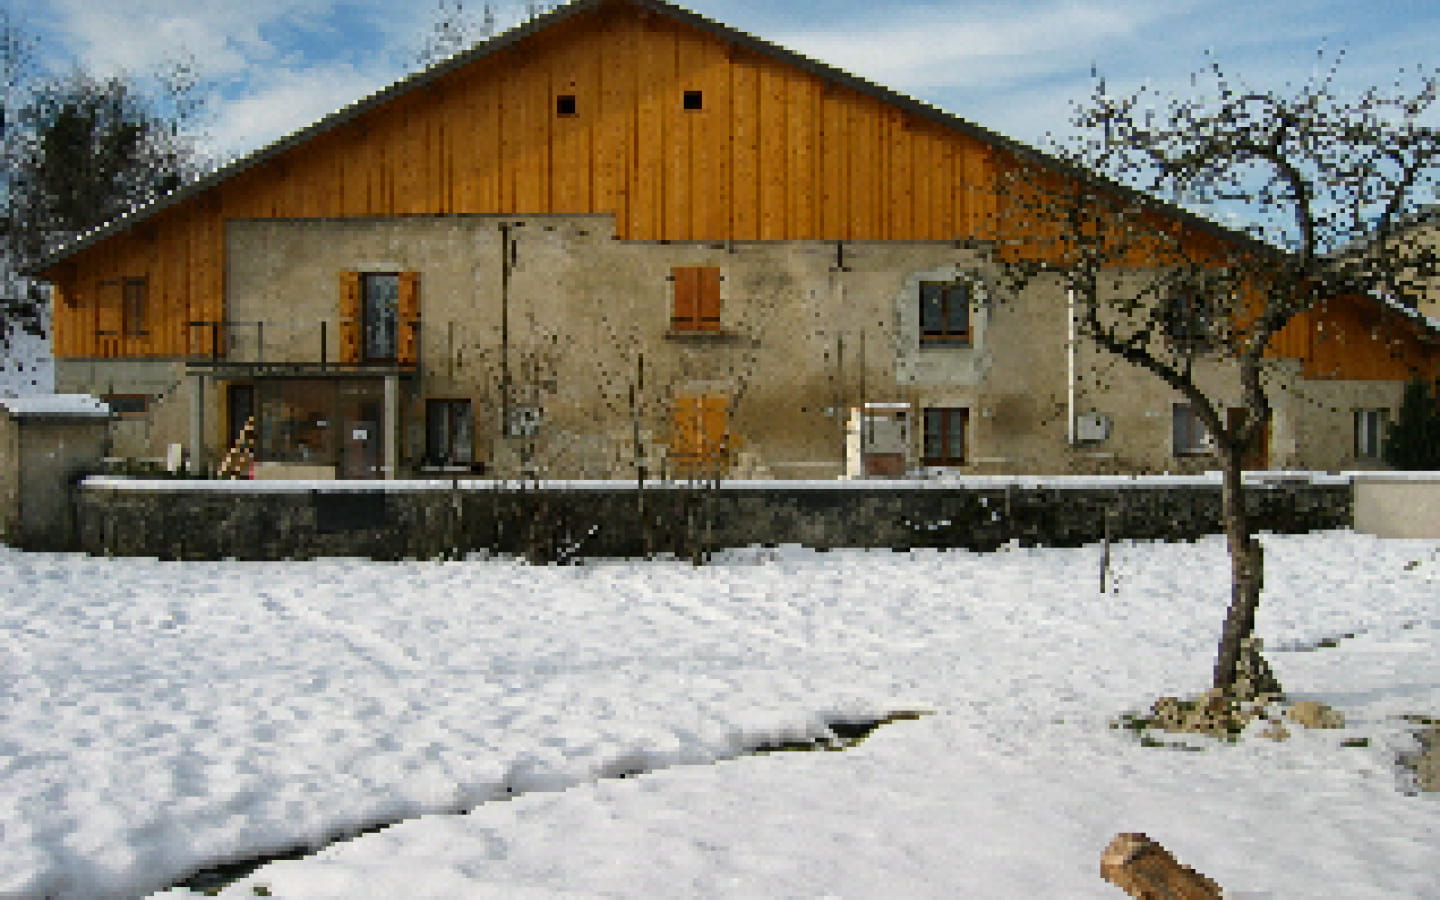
{"x": 625, "y": 239}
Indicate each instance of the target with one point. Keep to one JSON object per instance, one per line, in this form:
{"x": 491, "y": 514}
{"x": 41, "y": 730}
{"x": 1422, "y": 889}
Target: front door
{"x": 360, "y": 440}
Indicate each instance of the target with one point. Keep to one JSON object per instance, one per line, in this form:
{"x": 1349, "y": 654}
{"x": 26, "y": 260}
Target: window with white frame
{"x": 1370, "y": 428}
{"x": 945, "y": 313}
{"x": 1189, "y": 435}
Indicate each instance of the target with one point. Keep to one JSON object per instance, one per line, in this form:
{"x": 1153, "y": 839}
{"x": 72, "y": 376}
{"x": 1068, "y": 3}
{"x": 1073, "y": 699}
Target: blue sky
{"x": 1011, "y": 66}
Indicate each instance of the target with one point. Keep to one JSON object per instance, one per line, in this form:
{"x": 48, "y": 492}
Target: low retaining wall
{"x": 561, "y": 520}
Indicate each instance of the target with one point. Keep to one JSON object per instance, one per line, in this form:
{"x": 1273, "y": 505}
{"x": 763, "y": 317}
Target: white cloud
{"x": 953, "y": 47}
{"x": 136, "y": 36}
{"x": 284, "y": 100}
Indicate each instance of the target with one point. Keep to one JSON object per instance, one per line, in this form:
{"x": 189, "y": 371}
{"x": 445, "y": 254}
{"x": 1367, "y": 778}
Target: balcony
{"x": 307, "y": 348}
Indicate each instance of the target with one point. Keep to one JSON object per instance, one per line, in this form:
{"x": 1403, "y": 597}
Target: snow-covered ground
{"x": 156, "y": 717}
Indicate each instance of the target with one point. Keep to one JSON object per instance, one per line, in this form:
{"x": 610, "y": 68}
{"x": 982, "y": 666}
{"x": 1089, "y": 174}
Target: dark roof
{"x": 526, "y": 29}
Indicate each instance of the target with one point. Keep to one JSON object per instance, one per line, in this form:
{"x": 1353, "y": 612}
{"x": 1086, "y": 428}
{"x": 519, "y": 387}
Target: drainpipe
{"x": 1070, "y": 366}
{"x": 504, "y": 329}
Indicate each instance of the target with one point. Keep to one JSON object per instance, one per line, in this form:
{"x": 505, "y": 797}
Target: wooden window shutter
{"x": 714, "y": 427}
{"x": 700, "y": 440}
{"x": 686, "y": 299}
{"x": 685, "y": 434}
{"x": 697, "y": 298}
{"x": 707, "y": 302}
{"x": 349, "y": 317}
{"x": 409, "y": 325}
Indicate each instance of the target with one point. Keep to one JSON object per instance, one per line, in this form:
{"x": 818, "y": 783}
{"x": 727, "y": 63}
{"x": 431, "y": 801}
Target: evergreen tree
{"x": 1414, "y": 441}
{"x": 77, "y": 151}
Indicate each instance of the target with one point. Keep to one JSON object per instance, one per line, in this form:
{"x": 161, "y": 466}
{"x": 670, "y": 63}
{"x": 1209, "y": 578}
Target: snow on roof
{"x": 56, "y": 405}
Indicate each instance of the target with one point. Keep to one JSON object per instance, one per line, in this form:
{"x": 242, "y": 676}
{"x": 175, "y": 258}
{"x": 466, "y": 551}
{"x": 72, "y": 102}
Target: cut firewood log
{"x": 1145, "y": 870}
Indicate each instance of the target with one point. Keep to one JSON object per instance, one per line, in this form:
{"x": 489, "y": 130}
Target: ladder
{"x": 239, "y": 458}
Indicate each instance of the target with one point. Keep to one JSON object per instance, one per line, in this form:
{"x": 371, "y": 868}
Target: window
{"x": 565, "y": 105}
{"x": 700, "y": 441}
{"x": 449, "y": 436}
{"x": 127, "y": 406}
{"x": 694, "y": 100}
{"x": 381, "y": 308}
{"x": 379, "y": 317}
{"x": 945, "y": 314}
{"x": 132, "y": 312}
{"x": 1370, "y": 428}
{"x": 1188, "y": 323}
{"x": 697, "y": 298}
{"x": 945, "y": 437}
{"x": 1189, "y": 434}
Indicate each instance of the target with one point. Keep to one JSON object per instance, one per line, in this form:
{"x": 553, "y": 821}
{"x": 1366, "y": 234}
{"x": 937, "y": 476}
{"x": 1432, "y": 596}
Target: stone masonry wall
{"x": 559, "y": 523}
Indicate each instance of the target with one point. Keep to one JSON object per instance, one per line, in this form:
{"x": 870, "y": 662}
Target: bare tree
{"x": 1314, "y": 173}
{"x": 20, "y": 305}
{"x": 454, "y": 28}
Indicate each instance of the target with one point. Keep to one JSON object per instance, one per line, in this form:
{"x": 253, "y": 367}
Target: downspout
{"x": 1070, "y": 366}
{"x": 505, "y": 329}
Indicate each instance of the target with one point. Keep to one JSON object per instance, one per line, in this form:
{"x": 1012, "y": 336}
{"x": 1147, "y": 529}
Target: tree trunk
{"x": 1246, "y": 576}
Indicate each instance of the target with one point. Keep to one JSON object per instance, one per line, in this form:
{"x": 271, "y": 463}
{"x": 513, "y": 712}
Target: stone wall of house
{"x": 811, "y": 329}
{"x": 193, "y": 520}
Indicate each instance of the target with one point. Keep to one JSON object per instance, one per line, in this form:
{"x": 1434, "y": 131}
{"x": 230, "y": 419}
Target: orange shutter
{"x": 409, "y": 325}
{"x": 714, "y": 427}
{"x": 700, "y": 440}
{"x": 707, "y": 303}
{"x": 349, "y": 317}
{"x": 685, "y": 435}
{"x": 686, "y": 303}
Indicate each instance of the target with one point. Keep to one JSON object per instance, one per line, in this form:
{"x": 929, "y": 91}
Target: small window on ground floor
{"x": 128, "y": 406}
{"x": 1189, "y": 435}
{"x": 449, "y": 433}
{"x": 1370, "y": 428}
{"x": 945, "y": 436}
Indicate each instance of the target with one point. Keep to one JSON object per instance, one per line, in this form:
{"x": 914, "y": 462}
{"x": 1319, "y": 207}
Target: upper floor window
{"x": 379, "y": 317}
{"x": 381, "y": 305}
{"x": 697, "y": 298}
{"x": 1189, "y": 320}
{"x": 132, "y": 310}
{"x": 945, "y": 313}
